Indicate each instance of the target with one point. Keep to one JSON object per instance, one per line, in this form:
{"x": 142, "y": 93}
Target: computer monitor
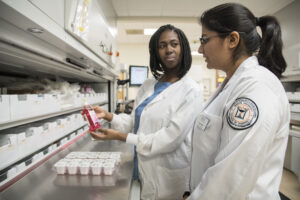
{"x": 137, "y": 75}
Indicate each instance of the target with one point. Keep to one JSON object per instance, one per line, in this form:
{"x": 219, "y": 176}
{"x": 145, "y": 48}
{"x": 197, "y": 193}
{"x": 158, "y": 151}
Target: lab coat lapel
{"x": 147, "y": 92}
{"x": 168, "y": 91}
{"x": 235, "y": 77}
{"x": 228, "y": 86}
{"x": 211, "y": 99}
{"x": 160, "y": 96}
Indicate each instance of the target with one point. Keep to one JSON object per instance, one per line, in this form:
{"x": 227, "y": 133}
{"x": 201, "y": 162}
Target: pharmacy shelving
{"x": 35, "y": 126}
{"x": 22, "y": 109}
{"x": 291, "y": 83}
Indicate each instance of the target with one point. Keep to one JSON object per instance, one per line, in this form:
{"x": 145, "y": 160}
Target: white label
{"x": 299, "y": 59}
{"x": 203, "y": 122}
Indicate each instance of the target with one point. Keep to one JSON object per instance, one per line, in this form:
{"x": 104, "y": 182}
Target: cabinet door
{"x": 86, "y": 22}
{"x": 53, "y": 9}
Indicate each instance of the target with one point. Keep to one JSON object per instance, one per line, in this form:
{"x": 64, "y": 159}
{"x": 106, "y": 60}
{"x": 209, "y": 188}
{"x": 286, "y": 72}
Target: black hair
{"x": 155, "y": 62}
{"x": 229, "y": 17}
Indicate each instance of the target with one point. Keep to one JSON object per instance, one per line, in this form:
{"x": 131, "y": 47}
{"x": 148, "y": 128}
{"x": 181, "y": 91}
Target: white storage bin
{"x": 53, "y": 147}
{"x": 87, "y": 98}
{"x": 295, "y": 107}
{"x": 11, "y": 172}
{"x": 5, "y": 109}
{"x": 49, "y": 127}
{"x": 31, "y": 105}
{"x": 104, "y": 97}
{"x": 66, "y": 101}
{"x": 69, "y": 126}
{"x": 37, "y": 157}
{"x": 90, "y": 98}
{"x": 21, "y": 167}
{"x": 295, "y": 156}
{"x": 293, "y": 96}
{"x": 78, "y": 120}
{"x": 289, "y": 95}
{"x": 4, "y": 142}
{"x": 78, "y": 100}
{"x": 9, "y": 151}
{"x": 35, "y": 130}
{"x": 96, "y": 98}
{"x": 295, "y": 116}
{"x": 51, "y": 104}
{"x": 72, "y": 136}
{"x": 19, "y": 133}
{"x": 10, "y": 139}
{"x": 32, "y": 141}
{"x": 60, "y": 126}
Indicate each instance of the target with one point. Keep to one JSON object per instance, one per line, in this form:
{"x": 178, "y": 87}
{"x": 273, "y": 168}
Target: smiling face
{"x": 216, "y": 52}
{"x": 169, "y": 51}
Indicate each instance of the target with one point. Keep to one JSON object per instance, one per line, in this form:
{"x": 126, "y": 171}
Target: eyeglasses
{"x": 205, "y": 39}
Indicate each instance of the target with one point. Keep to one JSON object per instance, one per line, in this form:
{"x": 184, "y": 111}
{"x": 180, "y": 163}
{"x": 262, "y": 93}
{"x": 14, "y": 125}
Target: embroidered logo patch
{"x": 242, "y": 114}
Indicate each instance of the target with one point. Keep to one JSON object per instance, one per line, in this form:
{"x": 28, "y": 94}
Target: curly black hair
{"x": 155, "y": 62}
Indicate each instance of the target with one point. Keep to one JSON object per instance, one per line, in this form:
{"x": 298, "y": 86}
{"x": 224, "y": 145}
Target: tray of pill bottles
{"x": 88, "y": 163}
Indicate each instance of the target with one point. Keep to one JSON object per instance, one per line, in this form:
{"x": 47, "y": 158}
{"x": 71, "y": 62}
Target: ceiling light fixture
{"x": 196, "y": 53}
{"x": 149, "y": 31}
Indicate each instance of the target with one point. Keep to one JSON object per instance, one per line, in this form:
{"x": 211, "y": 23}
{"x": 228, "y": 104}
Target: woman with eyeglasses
{"x": 240, "y": 137}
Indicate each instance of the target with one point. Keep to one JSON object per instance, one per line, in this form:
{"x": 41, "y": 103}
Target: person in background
{"x": 161, "y": 123}
{"x": 240, "y": 137}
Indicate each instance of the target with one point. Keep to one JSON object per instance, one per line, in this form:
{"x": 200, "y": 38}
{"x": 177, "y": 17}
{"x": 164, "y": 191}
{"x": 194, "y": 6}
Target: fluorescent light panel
{"x": 195, "y": 53}
{"x": 149, "y": 31}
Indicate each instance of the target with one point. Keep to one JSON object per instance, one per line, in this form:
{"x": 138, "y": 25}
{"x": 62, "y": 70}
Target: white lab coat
{"x": 229, "y": 164}
{"x": 163, "y": 140}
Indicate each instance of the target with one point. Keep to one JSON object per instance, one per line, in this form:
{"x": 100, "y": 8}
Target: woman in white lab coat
{"x": 240, "y": 137}
{"x": 163, "y": 116}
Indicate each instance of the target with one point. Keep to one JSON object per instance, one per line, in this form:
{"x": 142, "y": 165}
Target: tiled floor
{"x": 290, "y": 186}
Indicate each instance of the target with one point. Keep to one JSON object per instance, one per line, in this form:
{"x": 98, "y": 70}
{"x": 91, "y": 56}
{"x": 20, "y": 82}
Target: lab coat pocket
{"x": 171, "y": 183}
{"x": 148, "y": 189}
{"x": 206, "y": 142}
{"x": 207, "y": 135}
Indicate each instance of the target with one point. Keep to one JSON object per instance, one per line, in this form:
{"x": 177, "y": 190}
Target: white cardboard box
{"x": 5, "y": 108}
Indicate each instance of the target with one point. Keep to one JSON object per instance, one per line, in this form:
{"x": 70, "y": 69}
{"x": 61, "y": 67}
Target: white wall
{"x": 138, "y": 54}
{"x": 202, "y": 75}
{"x": 134, "y": 54}
{"x": 290, "y": 25}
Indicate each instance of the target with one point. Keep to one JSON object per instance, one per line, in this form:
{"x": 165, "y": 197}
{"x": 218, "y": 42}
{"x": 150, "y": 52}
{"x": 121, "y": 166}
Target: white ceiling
{"x": 139, "y": 14}
{"x": 188, "y": 8}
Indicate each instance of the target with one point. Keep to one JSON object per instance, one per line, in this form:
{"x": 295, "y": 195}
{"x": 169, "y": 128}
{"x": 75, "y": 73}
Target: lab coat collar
{"x": 169, "y": 90}
{"x": 249, "y": 62}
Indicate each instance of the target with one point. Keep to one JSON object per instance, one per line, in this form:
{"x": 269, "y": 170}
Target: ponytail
{"x": 229, "y": 17}
{"x": 270, "y": 52}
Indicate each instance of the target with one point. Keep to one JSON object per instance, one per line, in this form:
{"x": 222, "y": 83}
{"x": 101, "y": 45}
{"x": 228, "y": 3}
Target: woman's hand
{"x": 108, "y": 134}
{"x": 101, "y": 113}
